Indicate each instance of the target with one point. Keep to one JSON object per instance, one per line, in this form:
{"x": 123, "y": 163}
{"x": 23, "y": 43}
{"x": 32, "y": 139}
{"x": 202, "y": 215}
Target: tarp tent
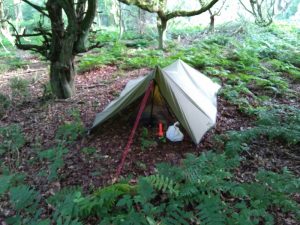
{"x": 189, "y": 94}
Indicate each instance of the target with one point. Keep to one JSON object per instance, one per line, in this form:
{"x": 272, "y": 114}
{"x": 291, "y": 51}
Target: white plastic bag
{"x": 173, "y": 133}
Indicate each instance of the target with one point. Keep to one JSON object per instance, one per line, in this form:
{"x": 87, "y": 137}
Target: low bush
{"x": 202, "y": 190}
{"x": 5, "y": 103}
{"x": 19, "y": 88}
{"x": 278, "y": 124}
{"x": 11, "y": 139}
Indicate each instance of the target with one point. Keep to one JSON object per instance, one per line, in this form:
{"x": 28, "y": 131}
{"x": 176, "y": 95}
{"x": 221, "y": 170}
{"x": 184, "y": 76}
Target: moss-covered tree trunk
{"x": 67, "y": 42}
{"x": 211, "y": 28}
{"x": 2, "y": 17}
{"x": 161, "y": 27}
{"x": 62, "y": 75}
{"x": 62, "y": 70}
{"x": 66, "y": 38}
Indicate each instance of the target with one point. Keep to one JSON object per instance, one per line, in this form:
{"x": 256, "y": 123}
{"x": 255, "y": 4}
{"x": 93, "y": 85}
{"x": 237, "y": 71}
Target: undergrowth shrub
{"x": 70, "y": 131}
{"x": 282, "y": 124}
{"x": 10, "y": 61}
{"x": 65, "y": 204}
{"x": 108, "y": 55}
{"x": 11, "y": 140}
{"x": 66, "y": 134}
{"x": 146, "y": 141}
{"x": 4, "y": 67}
{"x": 19, "y": 88}
{"x": 202, "y": 190}
{"x": 8, "y": 180}
{"x": 47, "y": 92}
{"x": 4, "y": 104}
{"x": 22, "y": 199}
{"x": 294, "y": 73}
{"x": 55, "y": 157}
{"x": 199, "y": 191}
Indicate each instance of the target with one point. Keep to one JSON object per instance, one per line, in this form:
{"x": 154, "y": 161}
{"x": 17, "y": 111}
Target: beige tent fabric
{"x": 132, "y": 91}
{"x": 190, "y": 95}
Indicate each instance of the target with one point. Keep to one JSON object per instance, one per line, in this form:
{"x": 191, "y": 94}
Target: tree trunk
{"x": 2, "y": 16}
{"x": 18, "y": 13}
{"x": 211, "y": 28}
{"x": 141, "y": 21}
{"x": 121, "y": 22}
{"x": 62, "y": 78}
{"x": 3, "y": 26}
{"x": 161, "y": 26}
{"x": 62, "y": 69}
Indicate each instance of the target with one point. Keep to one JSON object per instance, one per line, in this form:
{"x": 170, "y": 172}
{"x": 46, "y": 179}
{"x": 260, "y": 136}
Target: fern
{"x": 282, "y": 123}
{"x": 4, "y": 104}
{"x": 19, "y": 87}
{"x": 209, "y": 170}
{"x": 69, "y": 132}
{"x": 249, "y": 216}
{"x": 9, "y": 180}
{"x": 102, "y": 200}
{"x": 176, "y": 214}
{"x": 5, "y": 182}
{"x": 210, "y": 210}
{"x": 188, "y": 191}
{"x": 65, "y": 204}
{"x": 55, "y": 156}
{"x": 24, "y": 198}
{"x": 11, "y": 139}
{"x": 67, "y": 221}
{"x": 164, "y": 184}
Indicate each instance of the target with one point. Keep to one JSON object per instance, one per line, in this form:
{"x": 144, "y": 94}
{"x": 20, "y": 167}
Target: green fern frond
{"x": 210, "y": 210}
{"x": 176, "y": 215}
{"x": 102, "y": 200}
{"x": 24, "y": 198}
{"x": 5, "y": 182}
{"x": 64, "y": 203}
{"x": 188, "y": 190}
{"x": 164, "y": 184}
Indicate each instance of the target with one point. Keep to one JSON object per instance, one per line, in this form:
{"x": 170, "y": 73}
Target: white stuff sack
{"x": 173, "y": 133}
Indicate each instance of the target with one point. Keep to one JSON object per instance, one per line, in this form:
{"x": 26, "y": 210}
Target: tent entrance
{"x": 157, "y": 110}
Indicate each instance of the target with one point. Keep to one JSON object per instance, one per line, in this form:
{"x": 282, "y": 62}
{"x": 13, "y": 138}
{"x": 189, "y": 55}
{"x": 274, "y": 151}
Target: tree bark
{"x": 121, "y": 22}
{"x": 141, "y": 21}
{"x": 2, "y": 16}
{"x": 62, "y": 70}
{"x": 211, "y": 28}
{"x": 62, "y": 79}
{"x": 18, "y": 13}
{"x": 161, "y": 27}
{"x": 70, "y": 24}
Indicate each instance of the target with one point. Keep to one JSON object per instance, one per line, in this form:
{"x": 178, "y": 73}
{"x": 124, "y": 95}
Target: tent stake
{"x": 136, "y": 123}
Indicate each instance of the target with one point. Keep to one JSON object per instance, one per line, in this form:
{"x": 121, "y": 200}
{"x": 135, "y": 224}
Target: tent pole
{"x": 136, "y": 123}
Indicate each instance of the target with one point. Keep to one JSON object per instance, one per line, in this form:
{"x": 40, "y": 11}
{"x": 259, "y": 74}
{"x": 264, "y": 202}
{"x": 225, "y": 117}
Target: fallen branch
{"x": 92, "y": 86}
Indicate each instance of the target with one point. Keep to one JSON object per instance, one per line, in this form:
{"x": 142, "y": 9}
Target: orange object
{"x": 160, "y": 130}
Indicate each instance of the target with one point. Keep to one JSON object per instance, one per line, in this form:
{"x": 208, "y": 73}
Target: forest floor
{"x": 91, "y": 160}
{"x": 41, "y": 118}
